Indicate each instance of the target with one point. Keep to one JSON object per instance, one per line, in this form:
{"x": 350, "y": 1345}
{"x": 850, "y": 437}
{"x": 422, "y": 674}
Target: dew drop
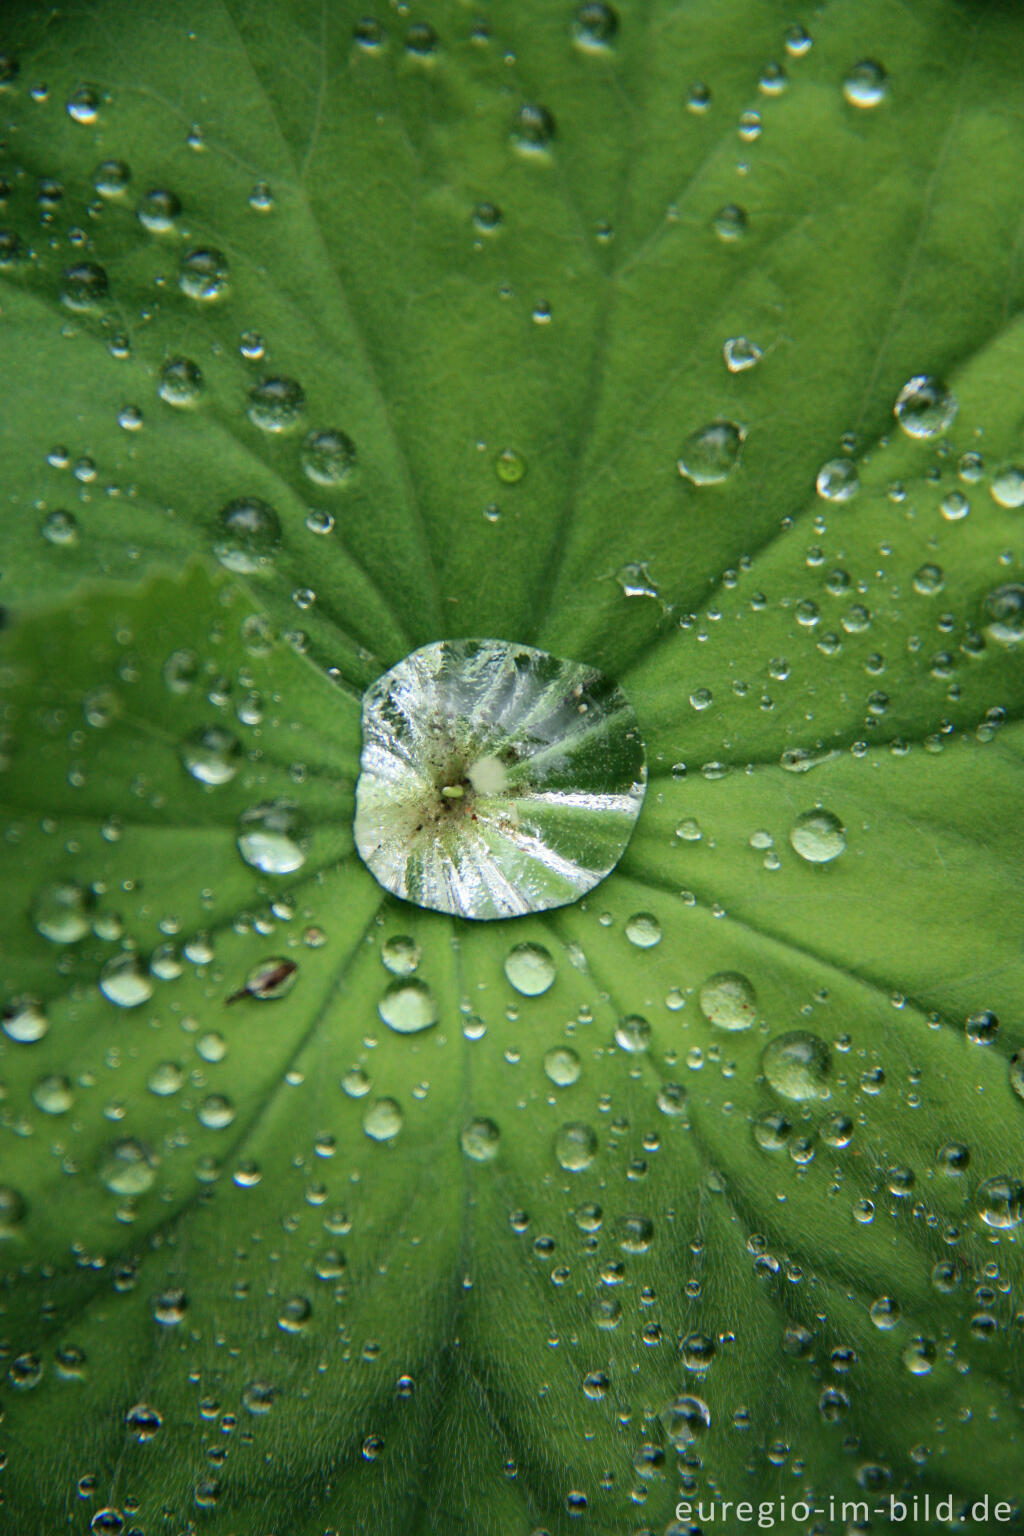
{"x": 124, "y": 982}
{"x": 328, "y": 456}
{"x": 576, "y": 1146}
{"x": 62, "y": 912}
{"x": 740, "y": 354}
{"x": 1000, "y": 1202}
{"x": 158, "y": 211}
{"x": 533, "y": 129}
{"x": 84, "y": 286}
{"x": 53, "y": 1094}
{"x": 249, "y": 534}
{"x": 562, "y": 1066}
{"x": 204, "y": 275}
{"x": 711, "y": 453}
{"x": 211, "y": 755}
{"x": 530, "y": 969}
{"x": 383, "y": 1120}
{"x": 865, "y": 84}
{"x": 479, "y": 1140}
{"x": 24, "y": 1020}
{"x": 837, "y": 480}
{"x": 276, "y": 404}
{"x": 111, "y": 178}
{"x": 633, "y": 1034}
{"x": 1004, "y": 614}
{"x": 408, "y": 1005}
{"x": 400, "y": 955}
{"x": 818, "y": 836}
{"x": 687, "y": 1419}
{"x": 510, "y": 466}
{"x": 730, "y": 223}
{"x": 728, "y": 1000}
{"x": 1007, "y": 486}
{"x": 594, "y": 27}
{"x": 128, "y": 1167}
{"x": 924, "y": 407}
{"x": 181, "y": 382}
{"x": 643, "y": 930}
{"x": 797, "y": 1065}
{"x": 273, "y": 837}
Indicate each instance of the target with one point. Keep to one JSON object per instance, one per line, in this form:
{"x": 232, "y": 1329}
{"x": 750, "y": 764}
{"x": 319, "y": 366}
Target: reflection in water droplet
{"x": 1007, "y": 486}
{"x": 533, "y": 129}
{"x": 273, "y": 837}
{"x": 925, "y": 408}
{"x": 576, "y": 1146}
{"x": 510, "y": 466}
{"x": 249, "y": 533}
{"x": 204, "y": 275}
{"x": 818, "y": 836}
{"x": 530, "y": 969}
{"x": 865, "y": 84}
{"x": 111, "y": 178}
{"x": 84, "y": 286}
{"x": 400, "y": 955}
{"x": 1000, "y": 1202}
{"x": 633, "y": 1034}
{"x": 711, "y": 453}
{"x": 181, "y": 382}
{"x": 643, "y": 930}
{"x": 740, "y": 354}
{"x": 594, "y": 26}
{"x": 158, "y": 211}
{"x": 562, "y": 1066}
{"x": 797, "y": 1065}
{"x": 276, "y": 405}
{"x": 128, "y": 1167}
{"x": 686, "y": 1420}
{"x": 328, "y": 456}
{"x": 24, "y": 1019}
{"x": 496, "y": 780}
{"x": 728, "y": 1001}
{"x": 212, "y": 755}
{"x": 407, "y": 1006}
{"x": 837, "y": 480}
{"x": 383, "y": 1120}
{"x": 480, "y": 1140}
{"x": 1004, "y": 614}
{"x": 124, "y": 982}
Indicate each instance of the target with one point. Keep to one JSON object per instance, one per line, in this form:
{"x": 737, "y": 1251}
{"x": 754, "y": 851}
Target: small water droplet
{"x": 562, "y": 1066}
{"x": 711, "y": 453}
{"x": 530, "y": 969}
{"x": 124, "y": 982}
{"x": 328, "y": 456}
{"x": 730, "y": 223}
{"x": 276, "y": 404}
{"x": 533, "y": 129}
{"x": 249, "y": 534}
{"x": 383, "y": 1120}
{"x": 837, "y": 480}
{"x": 83, "y": 105}
{"x": 818, "y": 836}
{"x": 159, "y": 210}
{"x": 576, "y": 1146}
{"x": 594, "y": 26}
{"x": 181, "y": 382}
{"x": 24, "y": 1020}
{"x": 84, "y": 286}
{"x": 408, "y": 1005}
{"x": 204, "y": 275}
{"x": 1007, "y": 486}
{"x": 212, "y": 755}
{"x": 924, "y": 407}
{"x": 643, "y": 930}
{"x": 510, "y": 466}
{"x": 480, "y": 1140}
{"x": 728, "y": 1001}
{"x": 112, "y": 178}
{"x": 273, "y": 837}
{"x": 62, "y": 912}
{"x": 865, "y": 84}
{"x": 740, "y": 354}
{"x": 128, "y": 1167}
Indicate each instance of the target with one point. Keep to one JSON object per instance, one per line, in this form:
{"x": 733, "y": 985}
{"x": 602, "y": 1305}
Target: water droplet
{"x": 212, "y": 755}
{"x": 480, "y": 1140}
{"x": 865, "y": 84}
{"x": 400, "y": 955}
{"x": 328, "y": 456}
{"x": 249, "y": 534}
{"x": 643, "y": 930}
{"x": 60, "y": 528}
{"x": 686, "y": 1420}
{"x": 740, "y": 354}
{"x": 128, "y": 1167}
{"x": 158, "y": 211}
{"x": 181, "y": 382}
{"x": 143, "y": 1422}
{"x": 216, "y": 1112}
{"x": 730, "y": 223}
{"x": 62, "y": 912}
{"x": 837, "y": 480}
{"x": 111, "y": 178}
{"x": 797, "y": 1065}
{"x": 53, "y": 1094}
{"x": 421, "y": 40}
{"x": 258, "y": 1397}
{"x": 576, "y": 1146}
{"x": 818, "y": 836}
{"x": 383, "y": 1120}
{"x": 728, "y": 1001}
{"x": 170, "y": 1306}
{"x": 594, "y": 27}
{"x": 166, "y": 1078}
{"x": 798, "y": 41}
{"x": 1000, "y": 1202}
{"x": 83, "y": 105}
{"x": 1007, "y": 486}
{"x": 272, "y": 978}
{"x": 924, "y": 407}
{"x": 487, "y": 217}
{"x": 981, "y": 1028}
{"x": 633, "y": 1034}
{"x": 698, "y": 1352}
{"x": 273, "y": 837}
{"x": 84, "y": 286}
{"x": 495, "y": 779}
{"x": 510, "y": 466}
{"x": 408, "y": 1005}
{"x": 261, "y": 198}
{"x": 562, "y": 1066}
{"x": 530, "y": 969}
{"x": 1004, "y": 613}
{"x": 276, "y": 404}
{"x": 636, "y": 580}
{"x": 124, "y": 982}
{"x": 533, "y": 129}
{"x": 24, "y": 1019}
{"x": 295, "y": 1314}
{"x": 711, "y": 453}
{"x": 204, "y": 275}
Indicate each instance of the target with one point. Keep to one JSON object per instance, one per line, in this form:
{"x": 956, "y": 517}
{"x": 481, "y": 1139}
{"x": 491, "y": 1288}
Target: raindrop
{"x": 925, "y": 408}
{"x": 530, "y": 969}
{"x": 204, "y": 275}
{"x": 124, "y": 982}
{"x": 407, "y": 1006}
{"x": 273, "y": 837}
{"x": 818, "y": 836}
{"x": 495, "y": 780}
{"x": 181, "y": 382}
{"x": 865, "y": 84}
{"x": 276, "y": 405}
{"x": 328, "y": 456}
{"x": 249, "y": 533}
{"x": 711, "y": 453}
{"x": 797, "y": 1065}
{"x": 479, "y": 1140}
{"x": 576, "y": 1146}
{"x": 728, "y": 1001}
{"x": 383, "y": 1120}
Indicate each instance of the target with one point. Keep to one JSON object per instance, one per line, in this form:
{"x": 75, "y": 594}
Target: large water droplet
{"x": 1004, "y": 614}
{"x": 84, "y": 286}
{"x": 797, "y": 1065}
{"x": 276, "y": 405}
{"x": 818, "y": 836}
{"x": 273, "y": 837}
{"x": 594, "y": 26}
{"x": 480, "y": 1140}
{"x": 1000, "y": 1201}
{"x": 383, "y": 1120}
{"x": 562, "y": 1066}
{"x": 496, "y": 780}
{"x": 124, "y": 981}
{"x": 576, "y": 1146}
{"x": 407, "y": 1006}
{"x": 728, "y": 1001}
{"x": 711, "y": 453}
{"x": 204, "y": 275}
{"x": 62, "y": 912}
{"x": 530, "y": 969}
{"x": 865, "y": 84}
{"x": 181, "y": 382}
{"x": 924, "y": 407}
{"x": 249, "y": 534}
{"x": 328, "y": 456}
{"x": 24, "y": 1019}
{"x": 1007, "y": 486}
{"x": 128, "y": 1167}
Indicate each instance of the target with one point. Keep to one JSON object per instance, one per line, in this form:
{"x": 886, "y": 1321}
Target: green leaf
{"x": 732, "y": 1209}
